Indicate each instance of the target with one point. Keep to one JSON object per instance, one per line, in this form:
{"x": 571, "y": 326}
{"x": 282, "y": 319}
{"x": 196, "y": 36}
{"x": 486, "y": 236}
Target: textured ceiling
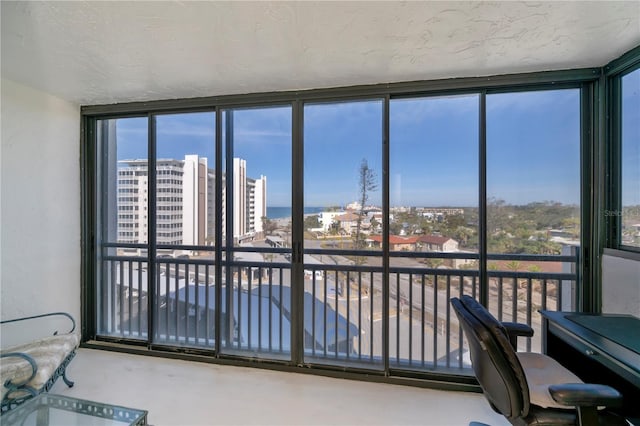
{"x": 105, "y": 52}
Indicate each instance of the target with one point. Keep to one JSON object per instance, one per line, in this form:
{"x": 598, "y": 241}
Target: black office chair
{"x": 528, "y": 388}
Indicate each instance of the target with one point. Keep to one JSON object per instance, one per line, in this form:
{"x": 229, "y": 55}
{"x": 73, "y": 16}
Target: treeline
{"x": 510, "y": 228}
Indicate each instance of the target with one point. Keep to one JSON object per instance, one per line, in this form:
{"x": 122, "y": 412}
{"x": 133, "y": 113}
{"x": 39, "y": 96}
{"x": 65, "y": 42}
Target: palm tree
{"x": 536, "y": 283}
{"x": 534, "y": 268}
{"x": 514, "y": 265}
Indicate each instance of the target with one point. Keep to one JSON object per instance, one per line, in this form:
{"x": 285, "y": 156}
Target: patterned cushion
{"x": 48, "y": 353}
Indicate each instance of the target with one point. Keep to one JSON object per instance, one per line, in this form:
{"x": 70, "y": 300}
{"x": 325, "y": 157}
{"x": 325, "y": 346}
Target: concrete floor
{"x": 190, "y": 393}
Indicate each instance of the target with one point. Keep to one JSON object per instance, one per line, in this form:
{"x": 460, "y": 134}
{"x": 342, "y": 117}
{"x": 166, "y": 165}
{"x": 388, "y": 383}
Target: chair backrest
{"x": 494, "y": 360}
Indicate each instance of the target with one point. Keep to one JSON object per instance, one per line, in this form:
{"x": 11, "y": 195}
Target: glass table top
{"x": 50, "y": 409}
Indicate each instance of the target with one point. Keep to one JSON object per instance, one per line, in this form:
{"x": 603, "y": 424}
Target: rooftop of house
{"x": 434, "y": 239}
{"x": 394, "y": 239}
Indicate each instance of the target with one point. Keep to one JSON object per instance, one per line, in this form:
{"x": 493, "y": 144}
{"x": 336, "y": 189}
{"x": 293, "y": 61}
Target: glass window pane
{"x": 185, "y": 229}
{"x": 123, "y": 179}
{"x": 434, "y": 209}
{"x": 434, "y": 173}
{"x": 343, "y": 213}
{"x": 122, "y": 218}
{"x": 630, "y": 186}
{"x": 533, "y": 171}
{"x": 261, "y": 173}
{"x": 258, "y": 302}
{"x": 343, "y": 173}
{"x": 533, "y": 206}
{"x": 185, "y": 181}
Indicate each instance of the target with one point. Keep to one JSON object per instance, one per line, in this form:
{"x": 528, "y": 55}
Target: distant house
{"x": 437, "y": 243}
{"x": 355, "y": 206}
{"x": 328, "y": 218}
{"x": 348, "y": 222}
{"x": 396, "y": 243}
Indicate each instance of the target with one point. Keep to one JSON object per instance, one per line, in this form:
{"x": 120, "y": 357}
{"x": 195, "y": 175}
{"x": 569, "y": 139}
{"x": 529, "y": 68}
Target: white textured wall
{"x": 40, "y": 205}
{"x": 97, "y": 52}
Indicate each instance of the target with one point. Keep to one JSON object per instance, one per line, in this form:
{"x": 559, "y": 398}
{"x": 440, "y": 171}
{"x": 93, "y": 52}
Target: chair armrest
{"x": 516, "y": 329}
{"x": 585, "y": 394}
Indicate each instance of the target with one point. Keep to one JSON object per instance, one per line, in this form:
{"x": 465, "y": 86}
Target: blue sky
{"x": 532, "y": 148}
{"x": 631, "y": 139}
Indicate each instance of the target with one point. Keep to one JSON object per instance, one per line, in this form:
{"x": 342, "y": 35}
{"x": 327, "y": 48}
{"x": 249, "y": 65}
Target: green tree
{"x": 455, "y": 221}
{"x": 395, "y": 227}
{"x": 334, "y": 228}
{"x": 268, "y": 225}
{"x": 366, "y": 184}
{"x": 311, "y": 222}
{"x": 374, "y": 224}
{"x": 462, "y": 234}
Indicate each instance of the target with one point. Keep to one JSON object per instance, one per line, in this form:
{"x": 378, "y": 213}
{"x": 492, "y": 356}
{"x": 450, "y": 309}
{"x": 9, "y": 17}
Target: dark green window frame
{"x": 613, "y": 74}
{"x": 593, "y": 85}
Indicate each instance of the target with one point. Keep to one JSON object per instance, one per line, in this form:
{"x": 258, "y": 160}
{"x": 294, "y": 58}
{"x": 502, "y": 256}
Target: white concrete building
{"x": 239, "y": 198}
{"x": 249, "y": 202}
{"x": 195, "y": 200}
{"x": 328, "y": 218}
{"x": 185, "y": 201}
{"x": 257, "y": 195}
{"x": 181, "y": 200}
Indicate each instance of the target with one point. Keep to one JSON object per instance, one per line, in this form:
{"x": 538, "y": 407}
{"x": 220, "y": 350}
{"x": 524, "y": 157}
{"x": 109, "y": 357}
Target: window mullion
{"x": 151, "y": 228}
{"x": 385, "y": 232}
{"x": 297, "y": 235}
{"x": 219, "y": 213}
{"x": 482, "y": 200}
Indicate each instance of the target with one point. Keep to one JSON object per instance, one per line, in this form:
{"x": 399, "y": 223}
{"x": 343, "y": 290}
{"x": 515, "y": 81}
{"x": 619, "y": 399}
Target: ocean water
{"x": 282, "y": 212}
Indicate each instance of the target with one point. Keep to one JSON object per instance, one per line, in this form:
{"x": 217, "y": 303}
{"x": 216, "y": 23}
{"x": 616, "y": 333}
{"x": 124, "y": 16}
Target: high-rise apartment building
{"x": 257, "y": 195}
{"x": 239, "y": 198}
{"x": 185, "y": 202}
{"x": 249, "y": 202}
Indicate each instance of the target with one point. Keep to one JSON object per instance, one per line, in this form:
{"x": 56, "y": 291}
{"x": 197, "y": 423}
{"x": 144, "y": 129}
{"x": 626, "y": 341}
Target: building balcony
{"x": 346, "y": 320}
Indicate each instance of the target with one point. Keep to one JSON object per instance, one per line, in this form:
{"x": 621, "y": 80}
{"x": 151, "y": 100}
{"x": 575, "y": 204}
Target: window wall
{"x": 630, "y": 160}
{"x": 324, "y": 230}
